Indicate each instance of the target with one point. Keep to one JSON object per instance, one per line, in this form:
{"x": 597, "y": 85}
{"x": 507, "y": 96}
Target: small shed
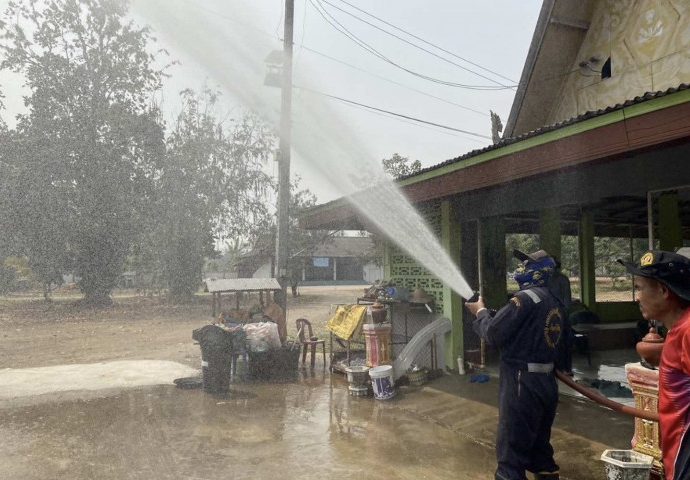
{"x": 216, "y": 287}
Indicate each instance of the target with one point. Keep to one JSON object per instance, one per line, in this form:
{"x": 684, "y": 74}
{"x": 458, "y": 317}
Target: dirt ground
{"x": 34, "y": 333}
{"x": 308, "y": 428}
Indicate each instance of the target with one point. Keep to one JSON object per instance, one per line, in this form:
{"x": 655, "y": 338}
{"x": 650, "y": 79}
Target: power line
{"x": 352, "y": 102}
{"x": 427, "y": 127}
{"x": 343, "y": 30}
{"x": 417, "y": 46}
{"x": 427, "y": 42}
{"x": 316, "y": 52}
{"x": 272, "y": 37}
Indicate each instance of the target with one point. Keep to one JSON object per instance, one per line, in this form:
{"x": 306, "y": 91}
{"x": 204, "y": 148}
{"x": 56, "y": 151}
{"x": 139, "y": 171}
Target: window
{"x": 606, "y": 69}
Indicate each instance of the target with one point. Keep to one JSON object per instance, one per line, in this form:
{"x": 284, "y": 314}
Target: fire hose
{"x": 606, "y": 402}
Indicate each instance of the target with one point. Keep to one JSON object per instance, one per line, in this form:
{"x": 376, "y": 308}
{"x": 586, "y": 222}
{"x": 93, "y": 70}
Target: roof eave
{"x": 528, "y": 69}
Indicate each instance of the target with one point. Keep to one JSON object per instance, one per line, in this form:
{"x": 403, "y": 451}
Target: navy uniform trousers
{"x": 527, "y": 408}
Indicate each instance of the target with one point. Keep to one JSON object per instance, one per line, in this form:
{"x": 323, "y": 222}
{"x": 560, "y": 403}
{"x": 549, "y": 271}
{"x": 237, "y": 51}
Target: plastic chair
{"x": 309, "y": 341}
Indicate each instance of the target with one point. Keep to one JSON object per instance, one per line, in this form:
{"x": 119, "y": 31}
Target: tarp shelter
{"x": 216, "y": 287}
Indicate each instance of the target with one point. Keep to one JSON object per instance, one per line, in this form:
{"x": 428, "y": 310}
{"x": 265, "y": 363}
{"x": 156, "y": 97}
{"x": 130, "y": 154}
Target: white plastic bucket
{"x": 382, "y": 382}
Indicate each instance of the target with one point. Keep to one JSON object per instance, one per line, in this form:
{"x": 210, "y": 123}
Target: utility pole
{"x": 281, "y": 264}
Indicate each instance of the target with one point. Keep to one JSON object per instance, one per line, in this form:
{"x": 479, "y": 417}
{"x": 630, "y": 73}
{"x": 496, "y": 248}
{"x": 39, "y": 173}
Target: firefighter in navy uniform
{"x": 528, "y": 332}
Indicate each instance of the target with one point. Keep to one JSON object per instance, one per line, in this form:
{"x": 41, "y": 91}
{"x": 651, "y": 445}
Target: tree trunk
{"x": 97, "y": 299}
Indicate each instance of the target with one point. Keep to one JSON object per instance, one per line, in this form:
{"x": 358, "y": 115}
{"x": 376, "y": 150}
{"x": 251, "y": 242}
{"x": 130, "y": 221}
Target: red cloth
{"x": 674, "y": 391}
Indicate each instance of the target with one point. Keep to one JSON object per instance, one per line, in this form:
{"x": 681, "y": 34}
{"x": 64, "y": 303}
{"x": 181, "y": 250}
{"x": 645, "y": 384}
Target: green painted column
{"x": 585, "y": 240}
{"x": 386, "y": 260}
{"x": 452, "y": 302}
{"x": 670, "y": 228}
{"x": 492, "y": 266}
{"x": 550, "y": 231}
{"x": 492, "y": 269}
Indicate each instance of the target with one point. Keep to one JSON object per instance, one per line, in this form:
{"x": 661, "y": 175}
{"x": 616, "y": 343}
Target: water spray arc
{"x": 320, "y": 139}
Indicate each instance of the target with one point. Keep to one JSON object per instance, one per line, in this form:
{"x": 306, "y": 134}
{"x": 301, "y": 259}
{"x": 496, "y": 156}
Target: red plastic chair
{"x": 309, "y": 341}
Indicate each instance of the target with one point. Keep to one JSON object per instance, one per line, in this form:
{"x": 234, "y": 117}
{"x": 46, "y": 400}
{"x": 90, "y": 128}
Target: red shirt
{"x": 674, "y": 391}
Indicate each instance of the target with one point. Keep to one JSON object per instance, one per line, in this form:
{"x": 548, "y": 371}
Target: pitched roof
{"x": 549, "y": 128}
{"x": 339, "y": 214}
{"x": 561, "y": 28}
{"x": 240, "y": 284}
{"x": 345, "y": 247}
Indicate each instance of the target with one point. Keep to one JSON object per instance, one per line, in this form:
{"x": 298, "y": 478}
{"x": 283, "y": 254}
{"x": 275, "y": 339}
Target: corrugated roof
{"x": 534, "y": 133}
{"x": 548, "y": 128}
{"x": 214, "y": 285}
{"x": 345, "y": 247}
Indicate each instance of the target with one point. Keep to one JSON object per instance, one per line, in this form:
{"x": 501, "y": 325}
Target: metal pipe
{"x": 650, "y": 221}
{"x": 606, "y": 402}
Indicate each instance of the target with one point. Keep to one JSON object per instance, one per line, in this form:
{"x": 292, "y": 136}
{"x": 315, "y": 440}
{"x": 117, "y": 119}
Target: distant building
{"x": 337, "y": 260}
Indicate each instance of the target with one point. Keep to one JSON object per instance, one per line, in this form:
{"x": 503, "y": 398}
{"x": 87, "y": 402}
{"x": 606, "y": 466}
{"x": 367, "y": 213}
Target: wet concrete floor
{"x": 309, "y": 428}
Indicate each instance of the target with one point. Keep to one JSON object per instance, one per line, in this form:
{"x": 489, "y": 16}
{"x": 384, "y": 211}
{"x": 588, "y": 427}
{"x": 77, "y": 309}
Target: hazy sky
{"x": 225, "y": 42}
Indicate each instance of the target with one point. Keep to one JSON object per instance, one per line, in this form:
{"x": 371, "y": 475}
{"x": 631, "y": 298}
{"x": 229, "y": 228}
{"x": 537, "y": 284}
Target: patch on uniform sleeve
{"x": 516, "y": 301}
{"x": 552, "y": 328}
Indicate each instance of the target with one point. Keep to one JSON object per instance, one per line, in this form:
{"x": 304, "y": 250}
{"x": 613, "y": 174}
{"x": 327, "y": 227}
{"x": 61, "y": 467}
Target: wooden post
{"x": 550, "y": 231}
{"x": 585, "y": 240}
{"x": 452, "y": 303}
{"x": 670, "y": 227}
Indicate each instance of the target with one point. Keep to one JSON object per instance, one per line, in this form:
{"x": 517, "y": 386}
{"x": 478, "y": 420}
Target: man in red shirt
{"x": 662, "y": 289}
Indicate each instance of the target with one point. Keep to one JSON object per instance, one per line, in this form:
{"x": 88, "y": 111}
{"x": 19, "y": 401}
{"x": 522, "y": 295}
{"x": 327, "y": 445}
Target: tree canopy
{"x": 92, "y": 181}
{"x": 398, "y": 166}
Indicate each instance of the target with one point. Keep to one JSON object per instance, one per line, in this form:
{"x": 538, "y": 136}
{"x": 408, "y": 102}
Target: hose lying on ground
{"x": 606, "y": 402}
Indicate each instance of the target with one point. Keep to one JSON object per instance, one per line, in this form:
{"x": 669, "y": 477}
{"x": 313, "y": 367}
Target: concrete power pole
{"x": 282, "y": 254}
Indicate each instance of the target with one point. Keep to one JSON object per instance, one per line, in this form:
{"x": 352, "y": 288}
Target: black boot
{"x": 547, "y": 476}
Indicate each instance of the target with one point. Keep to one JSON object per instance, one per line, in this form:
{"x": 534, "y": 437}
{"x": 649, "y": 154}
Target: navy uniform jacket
{"x": 529, "y": 329}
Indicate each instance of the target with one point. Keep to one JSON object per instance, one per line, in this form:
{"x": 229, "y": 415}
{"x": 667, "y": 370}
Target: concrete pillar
{"x": 492, "y": 265}
{"x": 670, "y": 231}
{"x": 492, "y": 270}
{"x": 386, "y": 260}
{"x": 469, "y": 266}
{"x": 452, "y": 302}
{"x": 550, "y": 231}
{"x": 585, "y": 241}
{"x": 335, "y": 269}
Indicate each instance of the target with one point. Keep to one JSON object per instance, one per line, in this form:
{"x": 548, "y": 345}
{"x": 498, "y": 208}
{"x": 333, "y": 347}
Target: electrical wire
{"x": 352, "y": 102}
{"x": 316, "y": 52}
{"x": 426, "y": 127}
{"x": 417, "y": 46}
{"x": 343, "y": 30}
{"x": 426, "y": 42}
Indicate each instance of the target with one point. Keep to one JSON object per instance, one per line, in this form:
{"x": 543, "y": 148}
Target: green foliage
{"x": 525, "y": 242}
{"x": 302, "y": 243}
{"x": 85, "y": 151}
{"x": 398, "y": 166}
{"x": 211, "y": 185}
{"x": 8, "y": 279}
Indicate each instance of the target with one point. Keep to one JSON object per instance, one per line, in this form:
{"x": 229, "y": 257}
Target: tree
{"x": 398, "y": 166}
{"x": 302, "y": 242}
{"x": 211, "y": 187}
{"x": 90, "y": 139}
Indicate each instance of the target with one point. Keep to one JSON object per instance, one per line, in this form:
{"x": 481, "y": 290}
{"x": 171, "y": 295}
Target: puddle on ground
{"x": 310, "y": 428}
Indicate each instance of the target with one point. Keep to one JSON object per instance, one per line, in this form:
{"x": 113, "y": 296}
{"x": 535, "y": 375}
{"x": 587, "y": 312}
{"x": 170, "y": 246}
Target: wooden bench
{"x": 608, "y": 336}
